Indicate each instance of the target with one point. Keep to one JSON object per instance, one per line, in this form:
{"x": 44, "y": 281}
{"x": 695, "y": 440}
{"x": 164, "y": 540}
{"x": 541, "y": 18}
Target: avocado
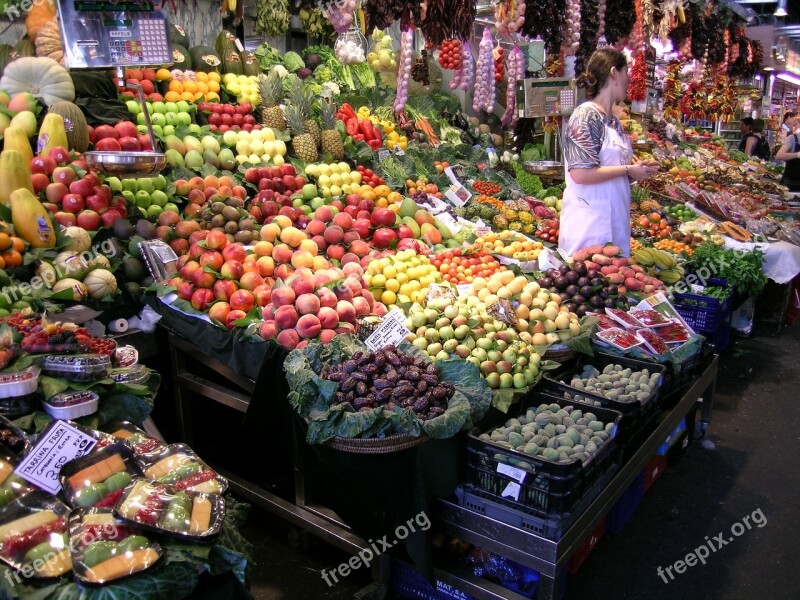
{"x": 146, "y": 229}
{"x": 123, "y": 229}
{"x": 133, "y": 269}
{"x": 133, "y": 246}
{"x": 134, "y": 289}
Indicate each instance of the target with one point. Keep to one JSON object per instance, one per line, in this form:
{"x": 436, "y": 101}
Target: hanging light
{"x": 781, "y": 10}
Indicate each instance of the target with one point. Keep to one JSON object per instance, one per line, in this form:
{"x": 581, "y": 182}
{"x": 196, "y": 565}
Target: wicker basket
{"x": 559, "y": 355}
{"x": 384, "y": 445}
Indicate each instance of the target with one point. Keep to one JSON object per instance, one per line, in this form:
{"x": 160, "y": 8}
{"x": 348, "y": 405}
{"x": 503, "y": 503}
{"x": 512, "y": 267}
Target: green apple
{"x": 194, "y": 129}
{"x": 183, "y": 107}
{"x": 153, "y": 211}
{"x": 142, "y": 211}
{"x": 310, "y": 191}
{"x": 129, "y": 185}
{"x": 297, "y": 202}
{"x": 133, "y": 107}
{"x": 158, "y": 107}
{"x": 170, "y": 107}
{"x": 159, "y": 198}
{"x": 184, "y": 118}
{"x": 172, "y": 118}
{"x": 129, "y": 196}
{"x": 114, "y": 183}
{"x": 145, "y": 184}
{"x": 171, "y": 207}
{"x": 317, "y": 202}
{"x": 307, "y": 209}
{"x": 169, "y": 130}
{"x": 160, "y": 182}
{"x": 140, "y": 119}
{"x": 143, "y": 199}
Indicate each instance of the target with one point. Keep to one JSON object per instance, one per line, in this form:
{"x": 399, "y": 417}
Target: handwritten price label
{"x": 389, "y": 333}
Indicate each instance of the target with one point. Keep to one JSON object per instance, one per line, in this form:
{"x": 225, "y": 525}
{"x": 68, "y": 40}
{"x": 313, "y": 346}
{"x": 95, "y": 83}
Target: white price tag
{"x": 238, "y": 45}
{"x": 513, "y": 472}
{"x": 390, "y": 332}
{"x": 448, "y": 220}
{"x": 383, "y": 154}
{"x": 58, "y": 444}
{"x": 464, "y": 289}
{"x": 458, "y": 194}
{"x": 512, "y": 490}
{"x": 483, "y": 230}
{"x": 696, "y": 289}
{"x": 565, "y": 257}
{"x": 398, "y": 151}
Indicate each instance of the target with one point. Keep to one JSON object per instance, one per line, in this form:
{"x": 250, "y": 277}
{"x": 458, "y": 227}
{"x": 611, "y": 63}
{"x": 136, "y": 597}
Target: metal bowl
{"x": 126, "y": 164}
{"x": 547, "y": 168}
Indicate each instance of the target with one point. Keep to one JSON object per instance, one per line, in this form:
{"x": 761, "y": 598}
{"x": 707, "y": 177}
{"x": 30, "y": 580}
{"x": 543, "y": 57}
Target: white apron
{"x": 598, "y": 213}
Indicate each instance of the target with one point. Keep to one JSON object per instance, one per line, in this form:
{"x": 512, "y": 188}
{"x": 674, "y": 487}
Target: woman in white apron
{"x": 598, "y": 161}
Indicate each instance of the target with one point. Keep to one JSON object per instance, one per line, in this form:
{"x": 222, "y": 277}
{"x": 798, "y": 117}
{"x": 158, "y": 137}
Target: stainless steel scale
{"x": 114, "y": 34}
{"x": 547, "y": 98}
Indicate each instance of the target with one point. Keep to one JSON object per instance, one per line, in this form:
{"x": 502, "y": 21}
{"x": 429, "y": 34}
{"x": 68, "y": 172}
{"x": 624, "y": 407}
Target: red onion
{"x": 405, "y": 61}
{"x": 483, "y": 98}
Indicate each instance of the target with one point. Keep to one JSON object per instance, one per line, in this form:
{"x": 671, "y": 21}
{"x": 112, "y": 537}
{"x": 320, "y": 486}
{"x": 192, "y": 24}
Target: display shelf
{"x": 549, "y": 557}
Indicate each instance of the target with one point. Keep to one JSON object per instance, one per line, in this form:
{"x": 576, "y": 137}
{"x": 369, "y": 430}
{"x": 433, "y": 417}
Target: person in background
{"x": 786, "y": 128}
{"x": 598, "y": 157}
{"x": 790, "y": 152}
{"x": 757, "y": 144}
{"x": 746, "y": 127}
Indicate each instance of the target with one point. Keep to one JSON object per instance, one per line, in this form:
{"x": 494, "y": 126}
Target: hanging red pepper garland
{"x": 673, "y": 91}
{"x": 637, "y": 88}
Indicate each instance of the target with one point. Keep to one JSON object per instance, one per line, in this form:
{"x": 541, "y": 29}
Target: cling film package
{"x": 106, "y": 549}
{"x": 33, "y": 535}
{"x": 12, "y": 486}
{"x": 177, "y": 465}
{"x": 162, "y": 508}
{"x": 136, "y": 439}
{"x": 98, "y": 479}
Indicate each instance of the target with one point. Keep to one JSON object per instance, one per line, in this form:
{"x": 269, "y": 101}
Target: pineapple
{"x": 649, "y": 205}
{"x": 331, "y": 140}
{"x": 500, "y": 222}
{"x": 302, "y": 142}
{"x": 302, "y": 97}
{"x": 269, "y": 86}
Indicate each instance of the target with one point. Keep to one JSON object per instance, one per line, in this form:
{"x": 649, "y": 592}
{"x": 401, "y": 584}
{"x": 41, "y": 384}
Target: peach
{"x": 308, "y": 326}
{"x": 283, "y": 271}
{"x": 270, "y": 232}
{"x": 268, "y": 330}
{"x": 336, "y": 273}
{"x": 250, "y": 265}
{"x": 197, "y": 236}
{"x": 327, "y": 298}
{"x": 328, "y": 317}
{"x": 324, "y": 214}
{"x": 326, "y": 335}
{"x": 379, "y": 309}
{"x": 320, "y": 242}
{"x": 292, "y": 236}
{"x": 216, "y": 240}
{"x": 234, "y": 252}
{"x": 345, "y": 327}
{"x": 349, "y": 258}
{"x": 309, "y": 246}
{"x": 197, "y": 183}
{"x": 320, "y": 278}
{"x": 263, "y": 248}
{"x": 263, "y": 294}
{"x": 360, "y": 248}
{"x": 288, "y": 338}
{"x": 282, "y": 254}
{"x": 346, "y": 311}
{"x": 233, "y": 316}
{"x": 203, "y": 280}
{"x": 343, "y": 292}
{"x": 305, "y": 272}
{"x": 251, "y": 281}
{"x": 302, "y": 344}
{"x": 219, "y": 311}
{"x": 302, "y": 258}
{"x": 242, "y": 300}
{"x": 186, "y": 228}
{"x": 354, "y": 284}
{"x": 286, "y": 317}
{"x": 283, "y": 296}
{"x": 224, "y": 288}
{"x": 352, "y": 268}
{"x": 361, "y": 306}
{"x": 320, "y": 263}
{"x": 282, "y": 221}
{"x": 343, "y": 220}
{"x": 232, "y": 269}
{"x": 179, "y": 245}
{"x": 301, "y": 285}
{"x": 350, "y": 237}
{"x": 335, "y": 252}
{"x": 210, "y": 181}
{"x": 315, "y": 227}
{"x": 333, "y": 234}
{"x": 367, "y": 295}
{"x": 307, "y": 304}
{"x": 266, "y": 266}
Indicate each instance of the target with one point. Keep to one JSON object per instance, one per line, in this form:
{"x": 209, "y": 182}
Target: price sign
{"x": 58, "y": 444}
{"x": 390, "y": 332}
{"x": 512, "y": 490}
{"x": 464, "y": 289}
{"x": 448, "y": 220}
{"x": 398, "y": 151}
{"x": 383, "y": 154}
{"x": 513, "y": 472}
{"x": 457, "y": 194}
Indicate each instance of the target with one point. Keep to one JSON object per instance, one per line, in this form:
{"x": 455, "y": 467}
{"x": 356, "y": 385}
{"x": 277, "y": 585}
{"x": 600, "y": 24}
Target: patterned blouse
{"x": 584, "y": 136}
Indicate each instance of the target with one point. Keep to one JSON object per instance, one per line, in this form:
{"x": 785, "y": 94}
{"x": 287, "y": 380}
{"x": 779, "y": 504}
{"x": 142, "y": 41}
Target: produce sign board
{"x": 390, "y": 332}
{"x": 58, "y": 444}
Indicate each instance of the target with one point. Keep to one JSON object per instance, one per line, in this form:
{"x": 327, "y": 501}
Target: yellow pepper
{"x": 388, "y": 126}
{"x": 363, "y": 112}
{"x": 374, "y": 120}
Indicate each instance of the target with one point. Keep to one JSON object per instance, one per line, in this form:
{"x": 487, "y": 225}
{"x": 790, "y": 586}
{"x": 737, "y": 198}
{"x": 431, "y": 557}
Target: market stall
{"x": 353, "y": 250}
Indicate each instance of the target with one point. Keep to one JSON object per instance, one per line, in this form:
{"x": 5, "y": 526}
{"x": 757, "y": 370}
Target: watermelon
{"x": 204, "y": 59}
{"x": 178, "y": 36}
{"x": 180, "y": 57}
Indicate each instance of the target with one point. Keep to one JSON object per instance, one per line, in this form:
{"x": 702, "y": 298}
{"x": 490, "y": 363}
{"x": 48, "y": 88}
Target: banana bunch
{"x": 315, "y": 24}
{"x": 272, "y": 17}
{"x": 658, "y": 263}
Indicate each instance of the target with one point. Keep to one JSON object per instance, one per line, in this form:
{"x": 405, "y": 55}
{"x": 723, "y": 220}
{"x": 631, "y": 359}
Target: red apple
{"x": 125, "y": 129}
{"x": 109, "y": 217}
{"x": 43, "y": 164}
{"x": 82, "y": 187}
{"x": 130, "y": 144}
{"x": 97, "y": 203}
{"x": 144, "y": 142}
{"x": 66, "y": 219}
{"x": 59, "y": 154}
{"x": 384, "y": 237}
{"x": 64, "y": 175}
{"x": 39, "y": 181}
{"x": 108, "y": 144}
{"x": 73, "y": 203}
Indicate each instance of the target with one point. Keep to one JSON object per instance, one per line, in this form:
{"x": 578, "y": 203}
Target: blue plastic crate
{"x": 708, "y": 316}
{"x": 672, "y": 438}
{"x": 623, "y": 510}
{"x": 405, "y": 581}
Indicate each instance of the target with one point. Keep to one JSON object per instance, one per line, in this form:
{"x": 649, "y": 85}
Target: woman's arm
{"x": 784, "y": 153}
{"x": 637, "y": 172}
{"x": 750, "y": 146}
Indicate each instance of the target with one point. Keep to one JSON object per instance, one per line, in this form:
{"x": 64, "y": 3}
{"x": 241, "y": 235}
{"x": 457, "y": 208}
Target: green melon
{"x": 178, "y": 36}
{"x": 250, "y": 63}
{"x": 232, "y": 62}
{"x": 180, "y": 57}
{"x": 25, "y": 47}
{"x": 204, "y": 59}
{"x": 6, "y": 51}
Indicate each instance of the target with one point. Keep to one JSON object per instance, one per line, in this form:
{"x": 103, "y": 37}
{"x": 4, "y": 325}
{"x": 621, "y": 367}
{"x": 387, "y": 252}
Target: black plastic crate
{"x": 405, "y": 581}
{"x": 551, "y": 528}
{"x": 547, "y": 488}
{"x": 675, "y": 380}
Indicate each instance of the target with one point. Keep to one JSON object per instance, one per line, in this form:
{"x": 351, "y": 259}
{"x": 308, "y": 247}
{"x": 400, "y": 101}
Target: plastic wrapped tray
{"x": 77, "y": 367}
{"x": 106, "y": 549}
{"x": 33, "y": 530}
{"x": 19, "y": 383}
{"x": 12, "y": 437}
{"x": 12, "y": 486}
{"x": 137, "y": 440}
{"x": 163, "y": 509}
{"x": 136, "y": 374}
{"x": 71, "y": 404}
{"x": 99, "y": 478}
{"x": 177, "y": 465}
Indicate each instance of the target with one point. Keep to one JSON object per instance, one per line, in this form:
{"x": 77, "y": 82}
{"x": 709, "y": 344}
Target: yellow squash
{"x": 52, "y": 134}
{"x": 31, "y": 221}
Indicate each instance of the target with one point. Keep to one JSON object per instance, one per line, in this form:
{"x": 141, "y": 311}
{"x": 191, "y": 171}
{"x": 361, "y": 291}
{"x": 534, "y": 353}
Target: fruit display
{"x": 681, "y": 212}
{"x": 105, "y": 549}
{"x": 223, "y": 117}
{"x": 658, "y": 263}
{"x": 71, "y": 405}
{"x": 615, "y": 382}
{"x": 133, "y": 437}
{"x": 582, "y": 289}
{"x": 34, "y": 527}
{"x": 179, "y": 467}
{"x": 457, "y": 266}
{"x": 619, "y": 338}
{"x": 674, "y": 247}
{"x": 41, "y": 336}
{"x": 509, "y": 244}
{"x": 161, "y": 508}
{"x": 402, "y": 277}
{"x": 99, "y": 478}
{"x": 629, "y": 274}
{"x": 552, "y": 433}
{"x": 390, "y": 378}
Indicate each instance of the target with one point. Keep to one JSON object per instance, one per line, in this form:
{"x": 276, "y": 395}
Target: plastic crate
{"x": 405, "y": 581}
{"x": 623, "y": 510}
{"x": 707, "y": 316}
{"x": 654, "y": 470}
{"x": 589, "y": 544}
{"x": 552, "y": 528}
{"x": 675, "y": 380}
{"x": 549, "y": 489}
{"x": 680, "y": 428}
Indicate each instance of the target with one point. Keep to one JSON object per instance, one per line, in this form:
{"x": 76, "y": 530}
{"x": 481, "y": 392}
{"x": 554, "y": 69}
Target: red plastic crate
{"x": 580, "y": 556}
{"x": 654, "y": 469}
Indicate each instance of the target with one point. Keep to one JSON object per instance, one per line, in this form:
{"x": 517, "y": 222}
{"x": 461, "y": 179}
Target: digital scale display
{"x": 104, "y": 35}
{"x": 550, "y": 97}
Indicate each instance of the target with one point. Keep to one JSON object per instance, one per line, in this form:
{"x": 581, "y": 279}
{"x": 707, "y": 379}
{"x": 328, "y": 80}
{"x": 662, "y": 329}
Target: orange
{"x": 369, "y": 195}
{"x": 2, "y": 263}
{"x": 188, "y": 96}
{"x": 175, "y": 86}
{"x": 394, "y": 197}
{"x": 12, "y": 258}
{"x": 198, "y": 96}
{"x": 382, "y": 203}
{"x": 202, "y": 87}
{"x": 172, "y": 96}
{"x": 189, "y": 86}
{"x": 213, "y": 86}
{"x": 163, "y": 75}
{"x": 201, "y": 76}
{"x": 5, "y": 242}
{"x": 214, "y": 76}
{"x": 18, "y": 244}
{"x": 212, "y": 96}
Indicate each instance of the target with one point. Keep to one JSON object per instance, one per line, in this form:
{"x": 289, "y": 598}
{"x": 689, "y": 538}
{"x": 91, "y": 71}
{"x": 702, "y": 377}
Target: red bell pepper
{"x": 375, "y": 144}
{"x": 359, "y": 137}
{"x": 365, "y": 127}
{"x": 347, "y": 110}
{"x": 351, "y": 126}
